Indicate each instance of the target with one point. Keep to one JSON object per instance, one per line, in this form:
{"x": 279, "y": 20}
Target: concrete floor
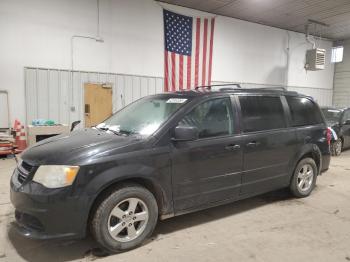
{"x": 272, "y": 227}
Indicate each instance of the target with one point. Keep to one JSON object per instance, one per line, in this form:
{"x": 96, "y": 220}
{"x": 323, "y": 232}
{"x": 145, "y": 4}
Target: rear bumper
{"x": 43, "y": 213}
{"x": 326, "y": 159}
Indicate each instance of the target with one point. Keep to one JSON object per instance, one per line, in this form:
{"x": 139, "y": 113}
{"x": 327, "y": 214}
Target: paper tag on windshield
{"x": 176, "y": 100}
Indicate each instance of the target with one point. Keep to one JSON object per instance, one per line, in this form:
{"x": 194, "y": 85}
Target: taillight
{"x": 329, "y": 135}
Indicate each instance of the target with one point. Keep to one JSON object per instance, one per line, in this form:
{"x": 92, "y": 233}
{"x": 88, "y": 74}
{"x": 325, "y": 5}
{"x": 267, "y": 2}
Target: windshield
{"x": 144, "y": 116}
{"x": 331, "y": 114}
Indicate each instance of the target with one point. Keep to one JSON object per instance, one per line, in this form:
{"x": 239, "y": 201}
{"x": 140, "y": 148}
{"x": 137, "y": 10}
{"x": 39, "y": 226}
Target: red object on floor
{"x": 21, "y": 141}
{"x": 6, "y": 152}
{"x": 6, "y": 148}
{"x": 17, "y": 128}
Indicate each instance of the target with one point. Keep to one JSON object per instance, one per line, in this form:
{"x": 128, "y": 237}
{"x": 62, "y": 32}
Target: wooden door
{"x": 98, "y": 103}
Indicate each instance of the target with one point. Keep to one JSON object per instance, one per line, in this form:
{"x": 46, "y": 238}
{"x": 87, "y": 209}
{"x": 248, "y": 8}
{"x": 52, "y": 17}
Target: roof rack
{"x": 233, "y": 86}
{"x": 281, "y": 88}
{"x": 209, "y": 87}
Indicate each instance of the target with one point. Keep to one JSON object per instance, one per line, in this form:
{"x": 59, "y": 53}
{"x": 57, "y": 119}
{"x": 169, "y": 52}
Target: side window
{"x": 303, "y": 111}
{"x": 261, "y": 113}
{"x": 212, "y": 118}
{"x": 346, "y": 116}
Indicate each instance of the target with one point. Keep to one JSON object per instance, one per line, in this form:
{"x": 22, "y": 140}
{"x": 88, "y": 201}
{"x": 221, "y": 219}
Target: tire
{"x": 336, "y": 147}
{"x": 304, "y": 178}
{"x": 134, "y": 217}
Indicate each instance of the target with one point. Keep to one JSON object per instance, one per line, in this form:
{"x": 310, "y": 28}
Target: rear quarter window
{"x": 304, "y": 111}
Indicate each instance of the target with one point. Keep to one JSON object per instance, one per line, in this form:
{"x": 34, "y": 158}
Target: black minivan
{"x": 166, "y": 155}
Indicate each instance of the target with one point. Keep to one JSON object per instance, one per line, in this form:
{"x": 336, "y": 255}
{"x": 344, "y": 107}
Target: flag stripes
{"x": 182, "y": 71}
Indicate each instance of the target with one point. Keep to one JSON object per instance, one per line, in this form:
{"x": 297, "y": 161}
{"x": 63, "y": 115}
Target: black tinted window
{"x": 261, "y": 113}
{"x": 212, "y": 118}
{"x": 304, "y": 111}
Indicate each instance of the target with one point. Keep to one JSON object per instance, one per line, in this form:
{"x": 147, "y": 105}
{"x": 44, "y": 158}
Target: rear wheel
{"x": 125, "y": 218}
{"x": 336, "y": 147}
{"x": 304, "y": 178}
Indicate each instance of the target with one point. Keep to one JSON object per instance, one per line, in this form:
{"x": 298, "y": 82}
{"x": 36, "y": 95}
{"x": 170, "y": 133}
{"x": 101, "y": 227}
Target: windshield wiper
{"x": 116, "y": 132}
{"x": 107, "y": 129}
{"x": 126, "y": 132}
{"x": 101, "y": 128}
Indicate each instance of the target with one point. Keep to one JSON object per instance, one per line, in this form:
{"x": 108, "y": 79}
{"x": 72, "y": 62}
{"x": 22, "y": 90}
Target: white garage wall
{"x": 37, "y": 33}
{"x": 342, "y": 79}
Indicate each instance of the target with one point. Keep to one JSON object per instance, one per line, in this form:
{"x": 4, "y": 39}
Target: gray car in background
{"x": 338, "y": 119}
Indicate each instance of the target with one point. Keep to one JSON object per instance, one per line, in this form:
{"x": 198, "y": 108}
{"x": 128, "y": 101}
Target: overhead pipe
{"x": 307, "y": 30}
{"x": 307, "y": 34}
{"x": 96, "y": 38}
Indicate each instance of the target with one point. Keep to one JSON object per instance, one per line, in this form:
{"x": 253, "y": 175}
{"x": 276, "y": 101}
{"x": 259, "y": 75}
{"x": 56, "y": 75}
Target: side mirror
{"x": 185, "y": 133}
{"x": 347, "y": 122}
{"x": 74, "y": 124}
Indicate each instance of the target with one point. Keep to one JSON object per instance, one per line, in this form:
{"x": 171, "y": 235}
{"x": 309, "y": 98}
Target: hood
{"x": 78, "y": 147}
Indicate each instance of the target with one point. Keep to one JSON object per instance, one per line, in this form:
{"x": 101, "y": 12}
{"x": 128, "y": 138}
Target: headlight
{"x": 56, "y": 176}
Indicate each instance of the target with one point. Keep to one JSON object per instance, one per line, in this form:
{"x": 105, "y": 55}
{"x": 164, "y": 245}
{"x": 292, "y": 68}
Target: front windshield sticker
{"x": 176, "y": 100}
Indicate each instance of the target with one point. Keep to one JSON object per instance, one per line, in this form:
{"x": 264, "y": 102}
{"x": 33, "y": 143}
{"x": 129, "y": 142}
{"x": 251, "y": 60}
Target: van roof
{"x": 235, "y": 89}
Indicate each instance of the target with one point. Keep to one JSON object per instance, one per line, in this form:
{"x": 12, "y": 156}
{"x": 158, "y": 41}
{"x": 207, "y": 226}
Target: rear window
{"x": 261, "y": 113}
{"x": 303, "y": 111}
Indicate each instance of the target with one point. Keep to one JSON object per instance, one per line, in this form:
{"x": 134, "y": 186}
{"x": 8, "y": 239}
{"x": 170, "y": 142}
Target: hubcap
{"x": 128, "y": 219}
{"x": 305, "y": 177}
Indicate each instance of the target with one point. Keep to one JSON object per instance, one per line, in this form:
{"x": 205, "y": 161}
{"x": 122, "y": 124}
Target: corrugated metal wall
{"x": 342, "y": 88}
{"x": 50, "y": 93}
{"x": 321, "y": 95}
{"x": 4, "y": 110}
{"x": 342, "y": 79}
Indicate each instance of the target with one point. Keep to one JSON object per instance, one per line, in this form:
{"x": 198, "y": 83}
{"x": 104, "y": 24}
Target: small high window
{"x": 337, "y": 54}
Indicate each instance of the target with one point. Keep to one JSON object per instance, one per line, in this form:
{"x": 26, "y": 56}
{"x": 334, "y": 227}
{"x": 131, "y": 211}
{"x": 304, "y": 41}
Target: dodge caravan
{"x": 166, "y": 155}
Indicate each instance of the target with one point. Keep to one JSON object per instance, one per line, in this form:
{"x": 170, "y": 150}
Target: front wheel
{"x": 125, "y": 218}
{"x": 304, "y": 178}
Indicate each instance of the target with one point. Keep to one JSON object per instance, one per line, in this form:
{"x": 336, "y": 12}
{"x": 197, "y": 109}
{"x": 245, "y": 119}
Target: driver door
{"x": 207, "y": 170}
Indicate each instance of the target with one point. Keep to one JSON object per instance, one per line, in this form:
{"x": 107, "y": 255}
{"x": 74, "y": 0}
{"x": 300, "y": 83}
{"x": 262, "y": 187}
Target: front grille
{"x": 21, "y": 178}
{"x": 24, "y": 170}
{"x": 29, "y": 221}
{"x": 26, "y": 166}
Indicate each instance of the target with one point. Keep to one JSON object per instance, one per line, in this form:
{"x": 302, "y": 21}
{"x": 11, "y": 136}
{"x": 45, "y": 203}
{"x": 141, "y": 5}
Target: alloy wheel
{"x": 128, "y": 219}
{"x": 305, "y": 177}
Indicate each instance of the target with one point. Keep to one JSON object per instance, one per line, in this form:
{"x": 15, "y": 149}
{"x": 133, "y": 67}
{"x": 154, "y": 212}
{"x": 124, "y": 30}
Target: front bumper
{"x": 43, "y": 213}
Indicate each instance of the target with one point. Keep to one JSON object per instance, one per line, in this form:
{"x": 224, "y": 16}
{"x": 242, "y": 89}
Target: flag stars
{"x": 178, "y": 33}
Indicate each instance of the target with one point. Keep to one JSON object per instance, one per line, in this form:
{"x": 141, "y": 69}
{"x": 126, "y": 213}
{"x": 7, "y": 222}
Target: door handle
{"x": 232, "y": 147}
{"x": 253, "y": 144}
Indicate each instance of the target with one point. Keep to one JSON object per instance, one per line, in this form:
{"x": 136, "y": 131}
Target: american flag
{"x": 188, "y": 51}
